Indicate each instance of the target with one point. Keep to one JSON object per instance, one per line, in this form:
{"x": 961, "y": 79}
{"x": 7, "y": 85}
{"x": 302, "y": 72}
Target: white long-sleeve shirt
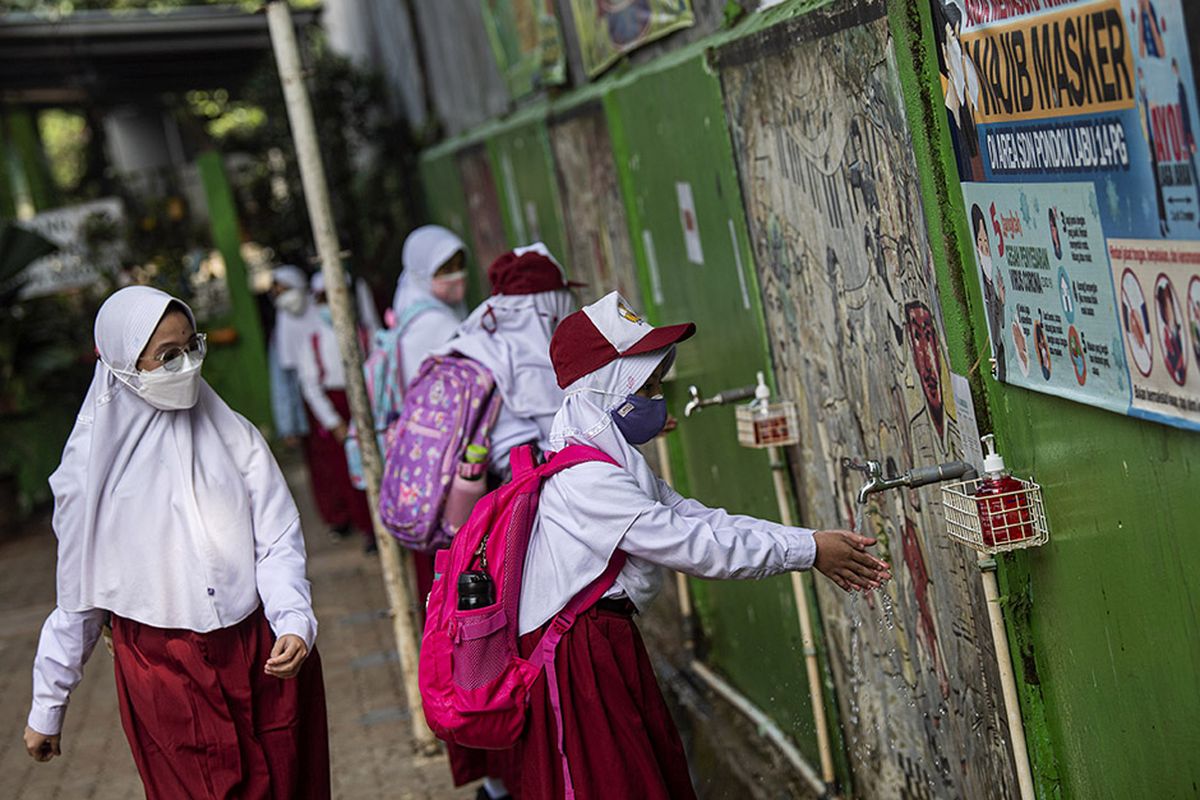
{"x": 211, "y": 590}
{"x": 320, "y": 368}
{"x": 587, "y": 512}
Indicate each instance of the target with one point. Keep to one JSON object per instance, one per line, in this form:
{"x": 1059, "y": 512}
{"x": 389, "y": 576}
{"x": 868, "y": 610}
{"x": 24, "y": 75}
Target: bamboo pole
{"x": 800, "y": 593}
{"x": 316, "y": 195}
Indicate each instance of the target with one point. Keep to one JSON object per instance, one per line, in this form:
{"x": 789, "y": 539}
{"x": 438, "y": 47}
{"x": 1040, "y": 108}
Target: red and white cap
{"x": 528, "y": 270}
{"x": 606, "y": 330}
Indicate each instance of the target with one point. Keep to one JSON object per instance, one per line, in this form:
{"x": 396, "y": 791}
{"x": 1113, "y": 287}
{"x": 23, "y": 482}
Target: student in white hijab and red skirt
{"x": 618, "y": 736}
{"x": 174, "y": 521}
{"x": 295, "y": 319}
{"x": 509, "y": 333}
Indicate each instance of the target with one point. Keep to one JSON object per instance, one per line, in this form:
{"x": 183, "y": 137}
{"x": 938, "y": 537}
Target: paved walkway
{"x": 368, "y": 720}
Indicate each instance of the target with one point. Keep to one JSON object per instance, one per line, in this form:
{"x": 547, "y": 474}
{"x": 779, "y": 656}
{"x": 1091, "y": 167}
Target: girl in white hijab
{"x": 509, "y": 333}
{"x": 295, "y": 319}
{"x": 427, "y": 307}
{"x": 173, "y": 517}
{"x": 611, "y": 363}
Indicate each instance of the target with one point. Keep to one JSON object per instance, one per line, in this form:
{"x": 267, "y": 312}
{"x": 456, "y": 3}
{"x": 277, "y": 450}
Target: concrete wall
{"x": 815, "y": 146}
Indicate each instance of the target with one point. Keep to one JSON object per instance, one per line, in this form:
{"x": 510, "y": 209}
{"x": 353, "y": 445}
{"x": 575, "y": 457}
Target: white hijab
{"x": 425, "y": 250}
{"x": 510, "y": 335}
{"x": 579, "y": 523}
{"x": 585, "y": 419}
{"x": 140, "y": 492}
{"x": 292, "y": 331}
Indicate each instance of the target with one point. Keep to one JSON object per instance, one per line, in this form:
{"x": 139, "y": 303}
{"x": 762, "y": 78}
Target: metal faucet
{"x": 919, "y": 476}
{"x": 722, "y": 398}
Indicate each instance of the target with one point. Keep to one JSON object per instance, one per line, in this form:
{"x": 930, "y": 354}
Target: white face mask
{"x": 292, "y": 301}
{"x": 450, "y": 288}
{"x": 166, "y": 390}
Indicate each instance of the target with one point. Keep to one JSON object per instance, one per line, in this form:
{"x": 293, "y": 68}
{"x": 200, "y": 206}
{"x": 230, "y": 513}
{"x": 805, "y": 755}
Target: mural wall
{"x": 845, "y": 270}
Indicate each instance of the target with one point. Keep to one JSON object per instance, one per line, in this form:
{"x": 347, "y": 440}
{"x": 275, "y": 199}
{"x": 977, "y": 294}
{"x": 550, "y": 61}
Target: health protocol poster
{"x": 1043, "y": 99}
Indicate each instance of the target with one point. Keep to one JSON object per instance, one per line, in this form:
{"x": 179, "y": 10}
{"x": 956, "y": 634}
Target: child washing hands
{"x": 618, "y": 736}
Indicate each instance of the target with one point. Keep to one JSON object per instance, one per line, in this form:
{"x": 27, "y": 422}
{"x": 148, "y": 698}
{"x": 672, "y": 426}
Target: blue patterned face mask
{"x": 640, "y": 419}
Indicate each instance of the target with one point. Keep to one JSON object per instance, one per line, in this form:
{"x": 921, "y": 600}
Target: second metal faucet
{"x": 721, "y": 398}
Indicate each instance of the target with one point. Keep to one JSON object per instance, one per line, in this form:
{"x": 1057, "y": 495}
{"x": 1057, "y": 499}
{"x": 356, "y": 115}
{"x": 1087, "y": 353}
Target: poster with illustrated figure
{"x": 1046, "y": 94}
{"x": 608, "y": 29}
{"x": 526, "y": 43}
{"x": 1158, "y": 285}
{"x": 1043, "y": 270}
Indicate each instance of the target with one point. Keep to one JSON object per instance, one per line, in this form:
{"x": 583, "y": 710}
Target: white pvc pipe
{"x": 764, "y": 725}
{"x": 320, "y": 212}
{"x": 681, "y": 581}
{"x": 1008, "y": 684}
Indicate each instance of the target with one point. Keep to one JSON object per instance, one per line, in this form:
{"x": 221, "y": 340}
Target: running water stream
{"x": 878, "y": 612}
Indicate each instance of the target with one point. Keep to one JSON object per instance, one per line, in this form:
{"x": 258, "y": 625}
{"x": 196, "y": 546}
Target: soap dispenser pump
{"x": 1004, "y": 512}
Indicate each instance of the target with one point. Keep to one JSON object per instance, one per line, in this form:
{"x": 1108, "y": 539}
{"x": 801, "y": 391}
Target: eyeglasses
{"x": 172, "y": 358}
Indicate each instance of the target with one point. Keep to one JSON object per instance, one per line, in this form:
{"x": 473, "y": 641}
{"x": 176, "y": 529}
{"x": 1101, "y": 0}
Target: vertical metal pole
{"x": 316, "y": 196}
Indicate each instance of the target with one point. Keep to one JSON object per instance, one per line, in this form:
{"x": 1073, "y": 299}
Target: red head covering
{"x": 527, "y": 270}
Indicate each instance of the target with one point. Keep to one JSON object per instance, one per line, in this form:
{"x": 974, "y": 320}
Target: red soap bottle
{"x": 1003, "y": 506}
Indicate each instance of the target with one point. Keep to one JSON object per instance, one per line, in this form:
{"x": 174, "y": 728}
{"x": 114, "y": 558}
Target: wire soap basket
{"x": 996, "y": 523}
{"x": 761, "y": 423}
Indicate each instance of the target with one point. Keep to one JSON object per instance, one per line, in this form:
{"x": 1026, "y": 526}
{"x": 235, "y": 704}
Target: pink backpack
{"x": 452, "y": 403}
{"x": 475, "y": 687}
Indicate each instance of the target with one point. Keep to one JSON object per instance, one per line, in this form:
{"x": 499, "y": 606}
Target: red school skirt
{"x": 619, "y": 735}
{"x": 204, "y": 721}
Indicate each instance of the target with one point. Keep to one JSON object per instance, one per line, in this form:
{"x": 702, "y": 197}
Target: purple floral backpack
{"x": 452, "y": 403}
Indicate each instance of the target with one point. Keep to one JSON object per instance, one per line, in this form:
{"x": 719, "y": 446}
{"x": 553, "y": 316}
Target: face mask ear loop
{"x": 120, "y": 374}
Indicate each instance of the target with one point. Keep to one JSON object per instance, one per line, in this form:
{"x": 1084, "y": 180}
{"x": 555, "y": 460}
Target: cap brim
{"x": 660, "y": 338}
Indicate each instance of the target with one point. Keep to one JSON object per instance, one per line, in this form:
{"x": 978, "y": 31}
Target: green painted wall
{"x": 1104, "y": 620}
{"x": 668, "y": 128}
{"x": 237, "y": 371}
{"x": 523, "y": 168}
{"x": 446, "y": 205}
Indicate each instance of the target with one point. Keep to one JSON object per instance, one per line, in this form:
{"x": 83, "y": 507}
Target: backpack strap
{"x": 405, "y": 318}
{"x": 521, "y": 460}
{"x": 483, "y": 431}
{"x": 543, "y": 656}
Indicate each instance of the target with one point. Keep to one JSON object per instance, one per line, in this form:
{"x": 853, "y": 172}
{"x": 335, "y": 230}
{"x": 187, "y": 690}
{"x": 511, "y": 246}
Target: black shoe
{"x": 483, "y": 795}
{"x": 371, "y": 547}
{"x": 339, "y": 533}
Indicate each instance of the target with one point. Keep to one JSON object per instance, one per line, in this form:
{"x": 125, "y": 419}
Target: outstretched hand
{"x": 42, "y": 747}
{"x": 843, "y": 558}
{"x": 287, "y": 656}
